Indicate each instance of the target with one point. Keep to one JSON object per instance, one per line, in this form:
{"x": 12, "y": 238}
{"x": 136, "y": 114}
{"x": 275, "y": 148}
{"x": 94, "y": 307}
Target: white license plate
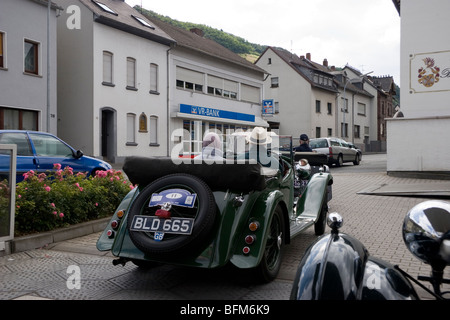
{"x": 155, "y": 224}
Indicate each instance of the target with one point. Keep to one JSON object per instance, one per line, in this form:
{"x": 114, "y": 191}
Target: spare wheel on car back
{"x": 173, "y": 215}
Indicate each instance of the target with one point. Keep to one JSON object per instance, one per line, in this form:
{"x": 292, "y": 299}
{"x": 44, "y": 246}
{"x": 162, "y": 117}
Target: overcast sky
{"x": 362, "y": 33}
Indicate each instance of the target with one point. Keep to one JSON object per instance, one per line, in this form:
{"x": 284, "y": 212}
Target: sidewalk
{"x": 371, "y": 214}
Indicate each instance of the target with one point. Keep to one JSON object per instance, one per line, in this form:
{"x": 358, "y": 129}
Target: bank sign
{"x": 216, "y": 113}
{"x": 430, "y": 72}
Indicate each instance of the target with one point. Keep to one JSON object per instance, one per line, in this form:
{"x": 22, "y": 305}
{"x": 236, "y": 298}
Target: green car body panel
{"x": 234, "y": 211}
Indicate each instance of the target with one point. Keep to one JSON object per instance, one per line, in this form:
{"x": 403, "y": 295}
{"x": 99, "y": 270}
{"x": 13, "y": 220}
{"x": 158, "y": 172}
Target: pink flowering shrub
{"x": 59, "y": 198}
{"x": 5, "y": 193}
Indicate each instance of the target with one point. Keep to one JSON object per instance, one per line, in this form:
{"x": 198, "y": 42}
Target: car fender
{"x": 261, "y": 212}
{"x": 315, "y": 194}
{"x": 339, "y": 267}
{"x": 105, "y": 242}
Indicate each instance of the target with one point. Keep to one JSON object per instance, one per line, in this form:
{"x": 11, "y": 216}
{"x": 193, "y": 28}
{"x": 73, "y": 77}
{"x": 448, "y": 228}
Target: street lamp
{"x": 343, "y": 108}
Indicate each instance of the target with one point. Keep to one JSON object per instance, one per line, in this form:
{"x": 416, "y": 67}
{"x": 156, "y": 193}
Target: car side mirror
{"x": 78, "y": 154}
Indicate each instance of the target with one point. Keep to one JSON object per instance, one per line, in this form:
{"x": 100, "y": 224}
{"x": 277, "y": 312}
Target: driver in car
{"x": 304, "y": 144}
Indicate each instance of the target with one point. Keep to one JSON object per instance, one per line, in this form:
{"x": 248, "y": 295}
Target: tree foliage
{"x": 234, "y": 43}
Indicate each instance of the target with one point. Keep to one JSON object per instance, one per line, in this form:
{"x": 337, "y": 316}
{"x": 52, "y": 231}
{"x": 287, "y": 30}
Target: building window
{"x": 154, "y": 131}
{"x": 317, "y": 106}
{"x": 18, "y": 119}
{"x": 361, "y": 109}
{"x": 318, "y": 132}
{"x": 31, "y": 57}
{"x": 131, "y": 74}
{"x": 329, "y": 108}
{"x": 222, "y": 87}
{"x": 131, "y": 136}
{"x": 274, "y": 83}
{"x": 344, "y": 129}
{"x": 107, "y": 68}
{"x": 250, "y": 93}
{"x": 153, "y": 78}
{"x": 330, "y": 132}
{"x": 143, "y": 22}
{"x": 344, "y": 105}
{"x": 269, "y": 61}
{"x": 143, "y": 123}
{"x": 189, "y": 79}
{"x": 357, "y": 132}
{"x": 2, "y": 50}
{"x": 105, "y": 8}
{"x": 277, "y": 107}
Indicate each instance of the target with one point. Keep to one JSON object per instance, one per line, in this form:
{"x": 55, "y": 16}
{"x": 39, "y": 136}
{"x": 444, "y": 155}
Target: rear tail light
{"x": 250, "y": 239}
{"x": 253, "y": 226}
{"x": 115, "y": 224}
{"x": 120, "y": 214}
{"x": 246, "y": 250}
{"x": 330, "y": 151}
{"x": 110, "y": 234}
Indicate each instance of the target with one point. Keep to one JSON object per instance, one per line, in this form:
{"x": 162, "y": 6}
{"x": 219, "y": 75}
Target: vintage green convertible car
{"x": 208, "y": 215}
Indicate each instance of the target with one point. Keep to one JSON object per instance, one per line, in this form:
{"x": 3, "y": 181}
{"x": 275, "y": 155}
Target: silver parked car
{"x": 337, "y": 150}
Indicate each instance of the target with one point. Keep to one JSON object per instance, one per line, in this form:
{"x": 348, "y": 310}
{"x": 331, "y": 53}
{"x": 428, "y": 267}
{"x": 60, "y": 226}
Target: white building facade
{"x": 418, "y": 142}
{"x": 304, "y": 96}
{"x": 210, "y": 89}
{"x": 112, "y": 88}
{"x": 28, "y": 65}
{"x": 315, "y": 99}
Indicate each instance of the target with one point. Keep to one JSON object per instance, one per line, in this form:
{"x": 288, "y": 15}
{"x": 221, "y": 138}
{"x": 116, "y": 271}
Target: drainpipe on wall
{"x": 49, "y": 3}
{"x": 353, "y": 118}
{"x": 168, "y": 101}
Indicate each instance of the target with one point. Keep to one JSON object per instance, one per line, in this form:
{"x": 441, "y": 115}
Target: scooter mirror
{"x": 426, "y": 232}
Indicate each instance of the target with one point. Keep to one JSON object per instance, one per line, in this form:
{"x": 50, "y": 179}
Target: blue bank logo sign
{"x": 216, "y": 113}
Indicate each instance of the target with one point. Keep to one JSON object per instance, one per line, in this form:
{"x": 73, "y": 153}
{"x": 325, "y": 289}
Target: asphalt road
{"x": 370, "y": 163}
{"x": 375, "y": 220}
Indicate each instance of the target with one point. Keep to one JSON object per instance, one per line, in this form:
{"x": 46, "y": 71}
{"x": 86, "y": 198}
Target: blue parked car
{"x": 39, "y": 151}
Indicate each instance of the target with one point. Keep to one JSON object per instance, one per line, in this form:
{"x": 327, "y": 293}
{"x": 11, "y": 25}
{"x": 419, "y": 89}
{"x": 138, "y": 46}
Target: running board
{"x": 300, "y": 224}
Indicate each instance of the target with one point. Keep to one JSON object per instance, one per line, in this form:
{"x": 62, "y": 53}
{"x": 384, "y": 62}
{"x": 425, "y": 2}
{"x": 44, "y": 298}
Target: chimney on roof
{"x": 325, "y": 62}
{"x": 197, "y": 31}
{"x": 308, "y": 56}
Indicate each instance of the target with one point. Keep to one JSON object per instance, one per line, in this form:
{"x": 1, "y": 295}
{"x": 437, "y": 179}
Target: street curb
{"x": 40, "y": 240}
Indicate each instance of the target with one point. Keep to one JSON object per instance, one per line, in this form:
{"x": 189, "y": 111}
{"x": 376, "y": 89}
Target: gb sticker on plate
{"x": 158, "y": 236}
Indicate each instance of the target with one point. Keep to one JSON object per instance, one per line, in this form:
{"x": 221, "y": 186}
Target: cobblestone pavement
{"x": 375, "y": 220}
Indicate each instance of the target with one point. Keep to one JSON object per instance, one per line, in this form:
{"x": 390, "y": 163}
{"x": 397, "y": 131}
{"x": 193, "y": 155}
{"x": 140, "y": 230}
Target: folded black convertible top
{"x": 243, "y": 177}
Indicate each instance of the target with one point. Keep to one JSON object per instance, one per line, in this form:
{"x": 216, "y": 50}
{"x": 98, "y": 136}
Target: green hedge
{"x": 59, "y": 198}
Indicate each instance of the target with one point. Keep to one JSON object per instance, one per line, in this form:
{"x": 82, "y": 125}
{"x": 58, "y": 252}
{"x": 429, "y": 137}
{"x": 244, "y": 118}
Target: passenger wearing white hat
{"x": 258, "y": 140}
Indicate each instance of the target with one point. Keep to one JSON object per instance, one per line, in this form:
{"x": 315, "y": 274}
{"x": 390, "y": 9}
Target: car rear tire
{"x": 270, "y": 263}
{"x": 174, "y": 245}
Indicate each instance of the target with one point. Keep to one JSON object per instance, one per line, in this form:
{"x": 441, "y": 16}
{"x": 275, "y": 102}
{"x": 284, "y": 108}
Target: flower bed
{"x": 59, "y": 198}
